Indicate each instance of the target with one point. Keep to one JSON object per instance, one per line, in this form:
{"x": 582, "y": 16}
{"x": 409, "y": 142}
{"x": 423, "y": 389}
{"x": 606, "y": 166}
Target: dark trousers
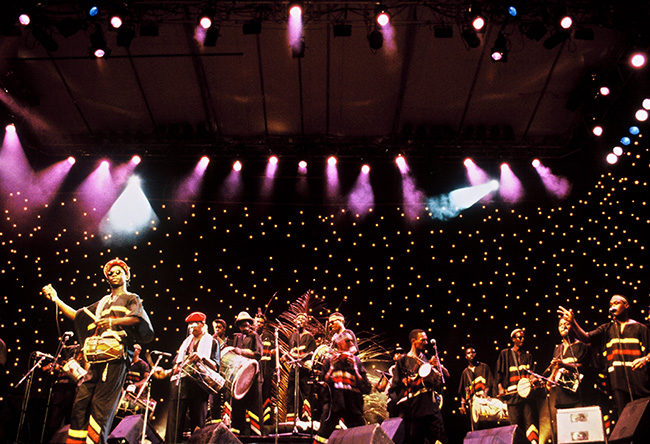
{"x": 331, "y": 419}
{"x": 304, "y": 390}
{"x": 187, "y": 397}
{"x": 421, "y": 428}
{"x": 524, "y": 414}
{"x": 96, "y": 402}
{"x": 250, "y": 404}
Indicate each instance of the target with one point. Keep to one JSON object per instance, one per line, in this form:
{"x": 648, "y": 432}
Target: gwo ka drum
{"x": 239, "y": 372}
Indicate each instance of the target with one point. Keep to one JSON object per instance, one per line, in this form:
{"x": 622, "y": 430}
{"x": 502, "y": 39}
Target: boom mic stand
{"x": 146, "y": 383}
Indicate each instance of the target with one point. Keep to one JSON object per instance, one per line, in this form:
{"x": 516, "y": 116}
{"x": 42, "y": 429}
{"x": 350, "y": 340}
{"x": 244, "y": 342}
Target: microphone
{"x": 68, "y": 334}
{"x": 42, "y": 355}
{"x": 612, "y": 310}
{"x": 432, "y": 342}
{"x": 156, "y": 352}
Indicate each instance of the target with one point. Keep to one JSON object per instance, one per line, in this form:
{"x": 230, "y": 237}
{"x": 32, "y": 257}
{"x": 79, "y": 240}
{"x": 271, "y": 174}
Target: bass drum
{"x": 321, "y": 353}
{"x": 239, "y": 372}
{"x": 488, "y": 410}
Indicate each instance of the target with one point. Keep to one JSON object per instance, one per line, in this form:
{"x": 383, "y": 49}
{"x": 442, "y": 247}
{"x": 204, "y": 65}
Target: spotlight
{"x": 302, "y": 164}
{"x": 611, "y": 158}
{"x": 136, "y": 159}
{"x": 382, "y": 17}
{"x": 331, "y": 161}
{"x": 400, "y": 161}
{"x": 203, "y": 162}
{"x": 365, "y": 169}
{"x": 91, "y": 7}
{"x": 641, "y": 115}
{"x": 24, "y": 19}
{"x": 98, "y": 46}
{"x": 618, "y": 151}
{"x": 597, "y": 130}
{"x": 11, "y": 128}
{"x": 512, "y": 11}
{"x": 634, "y": 130}
{"x": 295, "y": 9}
{"x": 559, "y": 36}
{"x": 237, "y": 165}
{"x": 375, "y": 40}
{"x": 206, "y": 17}
{"x": 475, "y": 18}
{"x": 604, "y": 91}
{"x": 536, "y": 163}
{"x": 625, "y": 140}
{"x": 637, "y": 60}
{"x": 499, "y": 52}
{"x": 478, "y": 23}
{"x": 471, "y": 38}
{"x": 566, "y": 22}
{"x": 273, "y": 160}
{"x": 646, "y": 104}
{"x": 72, "y": 160}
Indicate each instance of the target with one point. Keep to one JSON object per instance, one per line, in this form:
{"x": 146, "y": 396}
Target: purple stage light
{"x": 536, "y": 163}
{"x": 611, "y": 158}
{"x": 136, "y": 159}
{"x": 331, "y": 161}
{"x": 236, "y": 166}
{"x": 401, "y": 164}
{"x": 273, "y": 160}
{"x": 231, "y": 189}
{"x": 302, "y": 167}
{"x": 361, "y": 198}
{"x": 475, "y": 175}
{"x": 332, "y": 181}
{"x": 510, "y": 188}
{"x": 203, "y": 163}
{"x": 72, "y": 160}
{"x": 558, "y": 186}
{"x": 365, "y": 169}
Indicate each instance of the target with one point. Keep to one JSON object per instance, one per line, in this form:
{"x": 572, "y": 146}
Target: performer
{"x": 117, "y": 317}
{"x": 335, "y": 325}
{"x": 566, "y": 369}
{"x": 186, "y": 394}
{"x": 63, "y": 392}
{"x": 415, "y": 389}
{"x": 301, "y": 346}
{"x": 138, "y": 372}
{"x": 391, "y": 405}
{"x": 216, "y": 400}
{"x": 267, "y": 366}
{"x": 624, "y": 342}
{"x": 348, "y": 381}
{"x": 476, "y": 380}
{"x": 513, "y": 365}
{"x": 248, "y": 344}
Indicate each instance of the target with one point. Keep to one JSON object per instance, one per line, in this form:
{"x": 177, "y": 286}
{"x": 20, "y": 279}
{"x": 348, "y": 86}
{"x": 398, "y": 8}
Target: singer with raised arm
{"x": 108, "y": 329}
{"x": 624, "y": 342}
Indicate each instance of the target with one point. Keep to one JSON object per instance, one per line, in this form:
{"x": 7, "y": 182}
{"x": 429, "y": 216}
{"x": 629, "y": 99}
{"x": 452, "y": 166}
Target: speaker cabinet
{"x": 214, "y": 434}
{"x": 129, "y": 431}
{"x": 500, "y": 435}
{"x": 634, "y": 423}
{"x": 580, "y": 424}
{"x": 368, "y": 434}
{"x": 395, "y": 430}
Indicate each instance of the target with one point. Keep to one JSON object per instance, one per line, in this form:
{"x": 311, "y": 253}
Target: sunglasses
{"x": 114, "y": 273}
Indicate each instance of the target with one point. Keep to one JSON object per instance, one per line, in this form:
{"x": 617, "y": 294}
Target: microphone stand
{"x": 28, "y": 388}
{"x": 548, "y": 397}
{"x": 278, "y": 380}
{"x": 442, "y": 375}
{"x": 64, "y": 339}
{"x": 146, "y": 405}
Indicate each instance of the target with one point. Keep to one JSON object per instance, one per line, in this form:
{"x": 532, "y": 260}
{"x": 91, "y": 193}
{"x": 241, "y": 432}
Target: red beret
{"x": 196, "y": 316}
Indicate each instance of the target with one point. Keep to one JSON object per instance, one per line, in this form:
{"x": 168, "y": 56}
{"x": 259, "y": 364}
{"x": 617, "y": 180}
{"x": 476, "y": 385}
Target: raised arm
{"x": 577, "y": 330}
{"x": 51, "y": 294}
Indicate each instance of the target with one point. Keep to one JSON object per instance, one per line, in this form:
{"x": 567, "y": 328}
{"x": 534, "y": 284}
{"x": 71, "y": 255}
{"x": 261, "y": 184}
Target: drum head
{"x": 226, "y": 350}
{"x": 244, "y": 379}
{"x": 424, "y": 370}
{"x": 523, "y": 387}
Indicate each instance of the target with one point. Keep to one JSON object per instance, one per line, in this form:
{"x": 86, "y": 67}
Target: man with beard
{"x": 513, "y": 366}
{"x": 186, "y": 394}
{"x": 624, "y": 342}
{"x": 248, "y": 344}
{"x": 117, "y": 319}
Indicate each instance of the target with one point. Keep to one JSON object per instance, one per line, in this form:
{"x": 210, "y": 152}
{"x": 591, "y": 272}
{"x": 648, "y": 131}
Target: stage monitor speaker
{"x": 61, "y": 435}
{"x": 214, "y": 434}
{"x": 634, "y": 423}
{"x": 580, "y": 424}
{"x": 129, "y": 431}
{"x": 368, "y": 434}
{"x": 394, "y": 428}
{"x": 511, "y": 434}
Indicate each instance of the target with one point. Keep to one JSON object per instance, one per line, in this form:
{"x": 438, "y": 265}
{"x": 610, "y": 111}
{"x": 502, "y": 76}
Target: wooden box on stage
{"x": 580, "y": 425}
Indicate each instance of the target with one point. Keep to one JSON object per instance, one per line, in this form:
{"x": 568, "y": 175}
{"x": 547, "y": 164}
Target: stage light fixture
{"x": 331, "y": 161}
{"x": 597, "y": 130}
{"x": 634, "y": 130}
{"x": 566, "y": 22}
{"x": 638, "y": 60}
{"x": 98, "y": 48}
{"x": 475, "y": 18}
{"x": 611, "y": 158}
{"x": 646, "y": 104}
{"x": 116, "y": 21}
{"x": 24, "y": 19}
{"x": 471, "y": 38}
{"x": 382, "y": 17}
{"x": 641, "y": 115}
{"x": 237, "y": 165}
{"x": 365, "y": 169}
{"x": 295, "y": 9}
{"x": 499, "y": 51}
{"x": 604, "y": 91}
{"x": 557, "y": 37}
{"x": 211, "y": 36}
{"x": 625, "y": 140}
{"x": 207, "y": 17}
{"x": 92, "y": 7}
{"x": 618, "y": 151}
{"x": 375, "y": 40}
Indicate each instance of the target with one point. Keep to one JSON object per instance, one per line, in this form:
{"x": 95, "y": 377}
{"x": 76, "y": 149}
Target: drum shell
{"x": 488, "y": 409}
{"x": 321, "y": 354}
{"x": 74, "y": 370}
{"x": 99, "y": 349}
{"x": 204, "y": 375}
{"x": 239, "y": 372}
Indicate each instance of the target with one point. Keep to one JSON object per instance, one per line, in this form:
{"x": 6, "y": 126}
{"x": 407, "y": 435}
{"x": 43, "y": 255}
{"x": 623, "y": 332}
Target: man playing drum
{"x": 301, "y": 346}
{"x": 109, "y": 328}
{"x": 198, "y": 350}
{"x": 414, "y": 382}
{"x": 512, "y": 369}
{"x": 476, "y": 380}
